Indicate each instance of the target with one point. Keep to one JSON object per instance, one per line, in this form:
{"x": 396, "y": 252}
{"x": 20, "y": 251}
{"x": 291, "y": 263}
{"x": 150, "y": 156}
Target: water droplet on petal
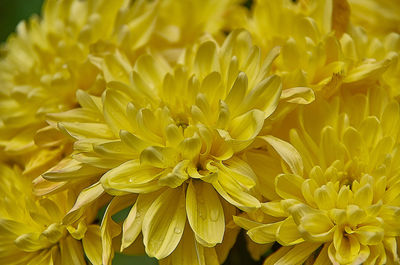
{"x": 177, "y": 230}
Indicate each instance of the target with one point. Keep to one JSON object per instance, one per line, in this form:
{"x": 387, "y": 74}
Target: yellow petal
{"x": 344, "y": 248}
{"x": 205, "y": 213}
{"x": 266, "y": 168}
{"x": 131, "y": 176}
{"x": 160, "y": 157}
{"x": 133, "y": 223}
{"x": 288, "y": 153}
{"x": 296, "y": 255}
{"x": 298, "y": 95}
{"x": 190, "y": 147}
{"x": 243, "y": 129}
{"x": 84, "y": 130}
{"x": 43, "y": 258}
{"x": 363, "y": 196}
{"x": 188, "y": 251}
{"x": 317, "y": 226}
{"x": 288, "y": 186}
{"x": 369, "y": 235}
{"x": 110, "y": 229}
{"x": 240, "y": 171}
{"x": 367, "y": 71}
{"x": 206, "y": 59}
{"x": 114, "y": 149}
{"x": 264, "y": 96}
{"x": 288, "y": 233}
{"x": 323, "y": 257}
{"x": 132, "y": 141}
{"x": 92, "y": 244}
{"x": 264, "y": 234}
{"x": 164, "y": 222}
{"x": 176, "y": 177}
{"x": 71, "y": 251}
{"x": 234, "y": 193}
{"x": 85, "y": 198}
{"x": 69, "y": 169}
{"x": 237, "y": 92}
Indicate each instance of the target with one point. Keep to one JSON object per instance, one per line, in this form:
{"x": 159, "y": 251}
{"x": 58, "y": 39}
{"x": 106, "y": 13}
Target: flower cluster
{"x": 200, "y": 118}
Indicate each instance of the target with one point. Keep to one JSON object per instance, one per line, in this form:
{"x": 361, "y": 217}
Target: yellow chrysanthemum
{"x": 175, "y": 135}
{"x": 310, "y": 34}
{"x": 305, "y": 30}
{"x": 339, "y": 193}
{"x": 32, "y": 231}
{"x": 50, "y": 58}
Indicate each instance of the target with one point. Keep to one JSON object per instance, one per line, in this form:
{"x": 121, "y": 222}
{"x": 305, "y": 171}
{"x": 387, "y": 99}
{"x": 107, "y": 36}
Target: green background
{"x": 13, "y": 11}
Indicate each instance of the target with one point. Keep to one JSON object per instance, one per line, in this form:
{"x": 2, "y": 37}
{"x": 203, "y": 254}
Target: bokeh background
{"x": 14, "y": 11}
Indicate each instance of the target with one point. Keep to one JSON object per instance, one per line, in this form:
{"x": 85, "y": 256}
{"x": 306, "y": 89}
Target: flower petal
{"x": 92, "y": 244}
{"x": 205, "y": 213}
{"x": 287, "y": 152}
{"x": 164, "y": 222}
{"x": 133, "y": 223}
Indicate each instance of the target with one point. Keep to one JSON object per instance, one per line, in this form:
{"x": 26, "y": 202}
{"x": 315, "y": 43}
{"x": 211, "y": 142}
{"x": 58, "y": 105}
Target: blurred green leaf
{"x": 13, "y": 11}
{"x": 121, "y": 259}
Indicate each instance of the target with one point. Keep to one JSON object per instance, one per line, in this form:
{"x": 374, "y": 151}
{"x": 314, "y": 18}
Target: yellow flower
{"x": 175, "y": 135}
{"x": 43, "y": 65}
{"x": 371, "y": 56}
{"x": 32, "y": 231}
{"x": 305, "y": 30}
{"x": 49, "y": 59}
{"x": 339, "y": 192}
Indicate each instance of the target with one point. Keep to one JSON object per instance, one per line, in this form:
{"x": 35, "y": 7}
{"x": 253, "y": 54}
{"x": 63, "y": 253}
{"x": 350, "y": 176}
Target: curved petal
{"x": 295, "y": 255}
{"x": 287, "y": 152}
{"x": 131, "y": 177}
{"x": 205, "y": 213}
{"x": 164, "y": 222}
{"x": 71, "y": 251}
{"x": 133, "y": 223}
{"x": 92, "y": 244}
{"x": 264, "y": 234}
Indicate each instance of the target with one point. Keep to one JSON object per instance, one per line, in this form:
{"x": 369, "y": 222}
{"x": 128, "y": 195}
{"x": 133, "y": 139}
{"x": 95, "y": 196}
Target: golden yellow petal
{"x": 92, "y": 244}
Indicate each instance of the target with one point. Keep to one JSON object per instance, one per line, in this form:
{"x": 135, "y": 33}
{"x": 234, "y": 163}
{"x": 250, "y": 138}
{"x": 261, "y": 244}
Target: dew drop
{"x": 177, "y": 230}
{"x": 130, "y": 180}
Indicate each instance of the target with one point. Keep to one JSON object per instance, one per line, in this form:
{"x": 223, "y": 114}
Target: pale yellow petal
{"x": 164, "y": 222}
{"x": 287, "y": 152}
{"x": 131, "y": 176}
{"x": 205, "y": 213}
{"x": 265, "y": 233}
{"x": 296, "y": 255}
{"x": 133, "y": 223}
{"x": 85, "y": 198}
{"x": 110, "y": 229}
